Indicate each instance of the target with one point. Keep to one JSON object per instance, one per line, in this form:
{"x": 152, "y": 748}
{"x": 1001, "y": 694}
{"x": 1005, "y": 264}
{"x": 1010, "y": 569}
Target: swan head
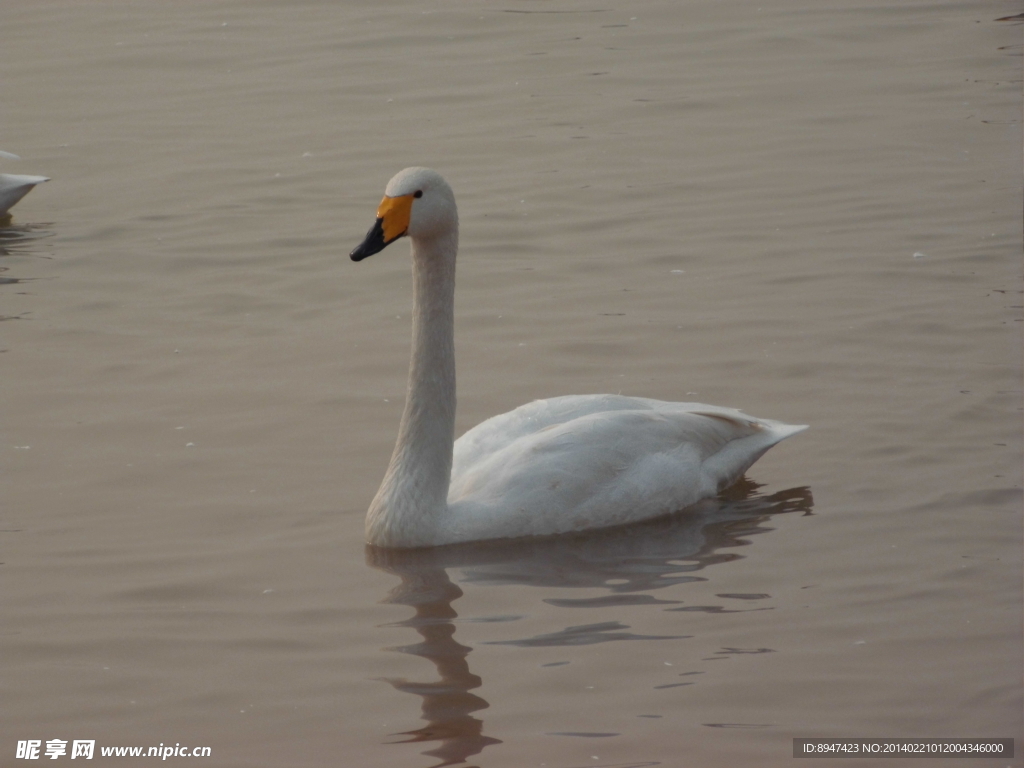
{"x": 417, "y": 202}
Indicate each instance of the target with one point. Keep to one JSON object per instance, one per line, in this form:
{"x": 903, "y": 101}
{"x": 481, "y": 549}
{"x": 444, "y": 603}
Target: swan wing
{"x": 591, "y": 461}
{"x": 500, "y": 431}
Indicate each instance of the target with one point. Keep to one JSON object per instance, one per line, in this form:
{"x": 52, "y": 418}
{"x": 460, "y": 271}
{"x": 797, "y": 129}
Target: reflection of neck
{"x": 414, "y": 493}
{"x": 447, "y": 703}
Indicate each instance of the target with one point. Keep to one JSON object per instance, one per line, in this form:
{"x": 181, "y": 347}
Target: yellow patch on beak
{"x": 394, "y": 214}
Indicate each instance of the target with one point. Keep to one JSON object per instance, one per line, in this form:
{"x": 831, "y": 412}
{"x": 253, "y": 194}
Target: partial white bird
{"x": 13, "y": 187}
{"x": 554, "y": 466}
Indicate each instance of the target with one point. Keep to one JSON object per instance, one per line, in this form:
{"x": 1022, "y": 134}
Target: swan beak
{"x": 392, "y": 222}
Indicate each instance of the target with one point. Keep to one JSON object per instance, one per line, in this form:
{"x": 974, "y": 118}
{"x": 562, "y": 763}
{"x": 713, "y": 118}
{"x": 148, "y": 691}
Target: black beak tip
{"x": 373, "y": 243}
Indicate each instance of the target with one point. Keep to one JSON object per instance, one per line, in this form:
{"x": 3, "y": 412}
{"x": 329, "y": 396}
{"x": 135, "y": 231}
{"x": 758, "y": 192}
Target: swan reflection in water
{"x": 17, "y": 240}
{"x": 628, "y": 562}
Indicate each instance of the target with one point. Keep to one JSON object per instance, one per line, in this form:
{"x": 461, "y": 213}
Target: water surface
{"x": 808, "y": 211}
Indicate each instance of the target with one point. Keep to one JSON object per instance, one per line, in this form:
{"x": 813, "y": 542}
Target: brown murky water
{"x": 810, "y": 211}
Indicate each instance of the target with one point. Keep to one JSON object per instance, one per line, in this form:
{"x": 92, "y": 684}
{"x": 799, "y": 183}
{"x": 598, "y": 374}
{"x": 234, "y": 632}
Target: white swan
{"x": 13, "y": 186}
{"x": 552, "y": 466}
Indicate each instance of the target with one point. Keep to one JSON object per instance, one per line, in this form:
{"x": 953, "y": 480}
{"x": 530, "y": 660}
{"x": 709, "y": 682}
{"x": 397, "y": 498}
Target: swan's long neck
{"x": 414, "y": 492}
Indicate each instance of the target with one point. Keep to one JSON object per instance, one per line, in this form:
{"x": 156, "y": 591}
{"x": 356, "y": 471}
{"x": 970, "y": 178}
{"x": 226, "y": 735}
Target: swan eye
{"x": 418, "y": 193}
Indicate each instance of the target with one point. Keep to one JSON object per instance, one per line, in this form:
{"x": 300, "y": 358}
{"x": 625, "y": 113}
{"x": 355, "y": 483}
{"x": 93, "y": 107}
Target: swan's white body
{"x": 552, "y": 466}
{"x": 14, "y": 186}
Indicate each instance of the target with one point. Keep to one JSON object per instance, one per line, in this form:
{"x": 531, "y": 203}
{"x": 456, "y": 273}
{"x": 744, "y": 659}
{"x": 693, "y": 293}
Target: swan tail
{"x": 737, "y": 456}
